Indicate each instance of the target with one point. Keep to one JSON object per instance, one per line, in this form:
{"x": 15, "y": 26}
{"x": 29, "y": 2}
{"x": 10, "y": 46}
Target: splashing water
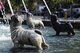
{"x": 4, "y": 32}
{"x": 4, "y": 38}
{"x": 57, "y": 44}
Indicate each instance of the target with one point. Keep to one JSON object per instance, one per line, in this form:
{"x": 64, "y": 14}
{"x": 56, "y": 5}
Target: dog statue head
{"x": 16, "y": 20}
{"x": 28, "y": 14}
{"x": 53, "y": 18}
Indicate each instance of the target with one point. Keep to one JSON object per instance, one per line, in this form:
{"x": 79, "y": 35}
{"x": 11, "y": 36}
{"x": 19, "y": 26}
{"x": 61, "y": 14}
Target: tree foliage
{"x": 16, "y": 4}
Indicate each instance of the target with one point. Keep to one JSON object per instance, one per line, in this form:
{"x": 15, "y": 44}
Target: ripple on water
{"x": 62, "y": 44}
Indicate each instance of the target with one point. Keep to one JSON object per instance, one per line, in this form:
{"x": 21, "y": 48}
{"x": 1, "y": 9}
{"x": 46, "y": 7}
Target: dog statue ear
{"x": 12, "y": 16}
{"x": 53, "y": 17}
{"x": 29, "y": 14}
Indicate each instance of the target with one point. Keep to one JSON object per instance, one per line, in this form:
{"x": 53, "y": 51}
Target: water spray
{"x": 26, "y": 8}
{"x": 24, "y": 5}
{"x": 10, "y": 7}
{"x": 47, "y": 7}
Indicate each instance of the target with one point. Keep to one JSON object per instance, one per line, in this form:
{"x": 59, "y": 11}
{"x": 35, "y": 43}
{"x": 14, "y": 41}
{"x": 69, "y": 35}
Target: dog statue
{"x": 21, "y": 36}
{"x": 32, "y": 23}
{"x": 61, "y": 27}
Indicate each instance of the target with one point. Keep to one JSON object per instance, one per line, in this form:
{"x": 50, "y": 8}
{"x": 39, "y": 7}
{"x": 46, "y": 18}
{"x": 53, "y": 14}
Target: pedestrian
{"x": 1, "y": 9}
{"x": 2, "y": 12}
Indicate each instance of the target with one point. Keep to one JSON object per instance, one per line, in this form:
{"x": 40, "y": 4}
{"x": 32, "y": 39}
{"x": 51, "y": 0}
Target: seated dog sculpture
{"x": 34, "y": 23}
{"x": 21, "y": 36}
{"x": 61, "y": 27}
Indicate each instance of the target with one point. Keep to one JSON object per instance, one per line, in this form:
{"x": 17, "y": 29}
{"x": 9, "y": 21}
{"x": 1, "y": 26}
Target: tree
{"x": 15, "y": 4}
{"x": 32, "y": 4}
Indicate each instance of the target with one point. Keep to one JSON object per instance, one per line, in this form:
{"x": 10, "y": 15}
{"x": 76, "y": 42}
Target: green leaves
{"x": 16, "y": 4}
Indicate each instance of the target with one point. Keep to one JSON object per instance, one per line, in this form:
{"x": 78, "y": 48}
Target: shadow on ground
{"x": 25, "y": 50}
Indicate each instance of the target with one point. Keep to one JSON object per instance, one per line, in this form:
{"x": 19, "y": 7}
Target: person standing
{"x": 1, "y": 9}
{"x": 2, "y": 12}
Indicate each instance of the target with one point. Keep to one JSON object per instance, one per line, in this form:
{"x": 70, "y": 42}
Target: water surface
{"x": 57, "y": 44}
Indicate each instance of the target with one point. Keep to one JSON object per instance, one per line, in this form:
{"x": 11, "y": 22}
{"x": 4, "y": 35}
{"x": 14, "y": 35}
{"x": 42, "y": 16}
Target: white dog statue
{"x": 34, "y": 23}
{"x": 21, "y": 36}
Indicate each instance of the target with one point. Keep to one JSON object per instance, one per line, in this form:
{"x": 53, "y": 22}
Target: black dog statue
{"x": 61, "y": 27}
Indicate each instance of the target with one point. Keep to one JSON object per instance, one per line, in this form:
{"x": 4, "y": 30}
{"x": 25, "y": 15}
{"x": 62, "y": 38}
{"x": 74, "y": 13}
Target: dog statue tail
{"x": 69, "y": 25}
{"x": 38, "y": 32}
